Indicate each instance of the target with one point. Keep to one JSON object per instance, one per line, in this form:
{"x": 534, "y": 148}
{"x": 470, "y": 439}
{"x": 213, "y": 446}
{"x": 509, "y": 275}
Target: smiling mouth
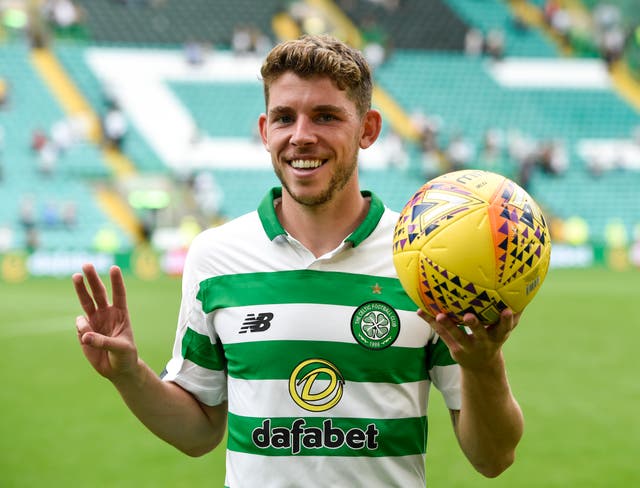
{"x": 306, "y": 163}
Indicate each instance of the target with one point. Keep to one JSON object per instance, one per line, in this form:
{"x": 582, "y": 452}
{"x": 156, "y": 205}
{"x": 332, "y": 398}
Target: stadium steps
{"x": 121, "y": 165}
{"x": 497, "y": 15}
{"x": 74, "y": 103}
{"x": 533, "y": 16}
{"x": 113, "y": 205}
{"x": 284, "y": 27}
{"x": 626, "y": 85}
{"x": 63, "y": 89}
{"x": 344, "y": 28}
{"x": 395, "y": 114}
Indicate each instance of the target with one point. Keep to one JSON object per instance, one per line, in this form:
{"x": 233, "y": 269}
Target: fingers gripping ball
{"x": 471, "y": 241}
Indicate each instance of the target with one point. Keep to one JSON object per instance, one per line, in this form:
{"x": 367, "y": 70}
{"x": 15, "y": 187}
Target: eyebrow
{"x": 283, "y": 109}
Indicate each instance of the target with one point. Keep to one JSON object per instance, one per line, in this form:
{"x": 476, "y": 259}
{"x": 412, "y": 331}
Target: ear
{"x": 371, "y": 127}
{"x": 262, "y": 126}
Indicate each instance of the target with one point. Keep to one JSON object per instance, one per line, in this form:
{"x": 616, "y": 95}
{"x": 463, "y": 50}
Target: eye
{"x": 327, "y": 117}
{"x": 284, "y": 119}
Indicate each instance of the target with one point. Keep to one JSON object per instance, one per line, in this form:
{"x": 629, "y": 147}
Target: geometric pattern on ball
{"x": 443, "y": 291}
{"x": 520, "y": 232}
{"x": 471, "y": 241}
{"x": 432, "y": 206}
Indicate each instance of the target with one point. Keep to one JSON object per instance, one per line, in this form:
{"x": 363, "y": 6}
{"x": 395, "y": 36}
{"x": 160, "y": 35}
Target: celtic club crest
{"x": 375, "y": 325}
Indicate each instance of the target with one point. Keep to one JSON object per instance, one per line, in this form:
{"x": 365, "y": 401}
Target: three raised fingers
{"x": 98, "y": 298}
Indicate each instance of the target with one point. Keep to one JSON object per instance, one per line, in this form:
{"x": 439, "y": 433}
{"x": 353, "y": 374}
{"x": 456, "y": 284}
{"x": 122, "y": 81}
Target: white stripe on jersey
{"x": 264, "y": 398}
{"x": 308, "y": 322}
{"x": 206, "y": 385}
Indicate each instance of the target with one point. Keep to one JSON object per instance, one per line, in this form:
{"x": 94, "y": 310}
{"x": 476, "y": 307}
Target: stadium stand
{"x": 427, "y": 70}
{"x": 421, "y": 32}
{"x": 175, "y": 22}
{"x": 72, "y": 57}
{"x": 67, "y": 181}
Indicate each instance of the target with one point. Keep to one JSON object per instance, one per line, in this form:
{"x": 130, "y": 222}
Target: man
{"x": 293, "y": 327}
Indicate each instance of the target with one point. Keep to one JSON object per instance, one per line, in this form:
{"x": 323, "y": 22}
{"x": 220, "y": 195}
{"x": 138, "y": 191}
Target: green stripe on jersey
{"x": 317, "y": 436}
{"x": 274, "y": 360}
{"x": 198, "y": 349}
{"x": 439, "y": 354}
{"x": 300, "y": 286}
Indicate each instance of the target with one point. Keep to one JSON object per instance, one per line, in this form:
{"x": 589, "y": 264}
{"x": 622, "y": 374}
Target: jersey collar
{"x": 273, "y": 228}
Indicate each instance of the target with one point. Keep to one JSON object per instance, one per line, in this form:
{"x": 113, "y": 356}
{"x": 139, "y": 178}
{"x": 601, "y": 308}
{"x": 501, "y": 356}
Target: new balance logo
{"x": 256, "y": 323}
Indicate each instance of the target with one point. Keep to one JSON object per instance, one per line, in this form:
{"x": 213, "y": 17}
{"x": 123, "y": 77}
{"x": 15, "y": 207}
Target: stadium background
{"x": 522, "y": 87}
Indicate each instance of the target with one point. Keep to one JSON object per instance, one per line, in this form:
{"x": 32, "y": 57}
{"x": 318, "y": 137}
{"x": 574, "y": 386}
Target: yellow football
{"x": 471, "y": 241}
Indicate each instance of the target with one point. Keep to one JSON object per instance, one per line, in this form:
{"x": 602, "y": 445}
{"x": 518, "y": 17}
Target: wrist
{"x": 132, "y": 378}
{"x": 489, "y": 376}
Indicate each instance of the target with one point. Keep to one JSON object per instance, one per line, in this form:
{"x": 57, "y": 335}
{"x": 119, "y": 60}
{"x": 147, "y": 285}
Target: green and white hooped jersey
{"x": 324, "y": 362}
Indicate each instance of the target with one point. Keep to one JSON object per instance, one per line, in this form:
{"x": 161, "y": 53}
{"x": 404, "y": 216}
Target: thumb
{"x": 106, "y": 343}
{"x": 88, "y": 337}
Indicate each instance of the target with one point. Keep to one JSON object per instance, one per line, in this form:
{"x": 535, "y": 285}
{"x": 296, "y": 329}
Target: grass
{"x": 572, "y": 364}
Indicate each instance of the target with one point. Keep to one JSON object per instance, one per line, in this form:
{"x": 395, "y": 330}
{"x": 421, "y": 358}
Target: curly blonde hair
{"x": 321, "y": 55}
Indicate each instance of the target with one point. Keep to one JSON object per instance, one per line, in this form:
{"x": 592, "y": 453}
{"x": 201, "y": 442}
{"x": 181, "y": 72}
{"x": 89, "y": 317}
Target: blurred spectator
{"x": 194, "y": 53}
{"x": 473, "y": 42}
{"x": 375, "y": 41}
{"x": 241, "y": 40}
{"x": 64, "y": 15}
{"x": 37, "y": 26}
{"x": 396, "y": 152}
{"x": 553, "y": 157}
{"x": 262, "y": 43}
{"x": 520, "y": 23}
{"x": 114, "y": 127}
{"x": 431, "y": 164}
{"x": 495, "y": 44}
{"x": 548, "y": 9}
{"x": 492, "y": 143}
{"x": 32, "y": 240}
{"x": 38, "y": 139}
{"x": 208, "y": 195}
{"x": 460, "y": 152}
{"x": 250, "y": 40}
{"x": 427, "y": 127}
{"x": 375, "y": 54}
{"x": 69, "y": 214}
{"x": 27, "y": 212}
{"x": 47, "y": 148}
{"x": 522, "y": 150}
{"x": 62, "y": 135}
{"x": 47, "y": 159}
{"x": 597, "y": 164}
{"x": 606, "y": 16}
{"x": 50, "y": 216}
{"x": 561, "y": 22}
{"x": 612, "y": 42}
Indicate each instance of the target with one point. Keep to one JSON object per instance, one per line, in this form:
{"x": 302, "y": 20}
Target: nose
{"x": 303, "y": 133}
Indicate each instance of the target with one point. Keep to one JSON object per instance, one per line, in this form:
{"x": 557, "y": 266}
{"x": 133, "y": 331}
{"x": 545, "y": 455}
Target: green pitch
{"x": 573, "y": 366}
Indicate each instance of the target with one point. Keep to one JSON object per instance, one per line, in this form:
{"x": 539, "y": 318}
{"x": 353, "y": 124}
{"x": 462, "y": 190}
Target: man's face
{"x": 313, "y": 132}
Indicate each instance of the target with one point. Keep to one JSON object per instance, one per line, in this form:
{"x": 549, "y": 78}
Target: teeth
{"x": 306, "y": 163}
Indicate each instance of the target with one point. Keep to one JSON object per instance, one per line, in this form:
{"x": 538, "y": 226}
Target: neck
{"x": 322, "y": 228}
